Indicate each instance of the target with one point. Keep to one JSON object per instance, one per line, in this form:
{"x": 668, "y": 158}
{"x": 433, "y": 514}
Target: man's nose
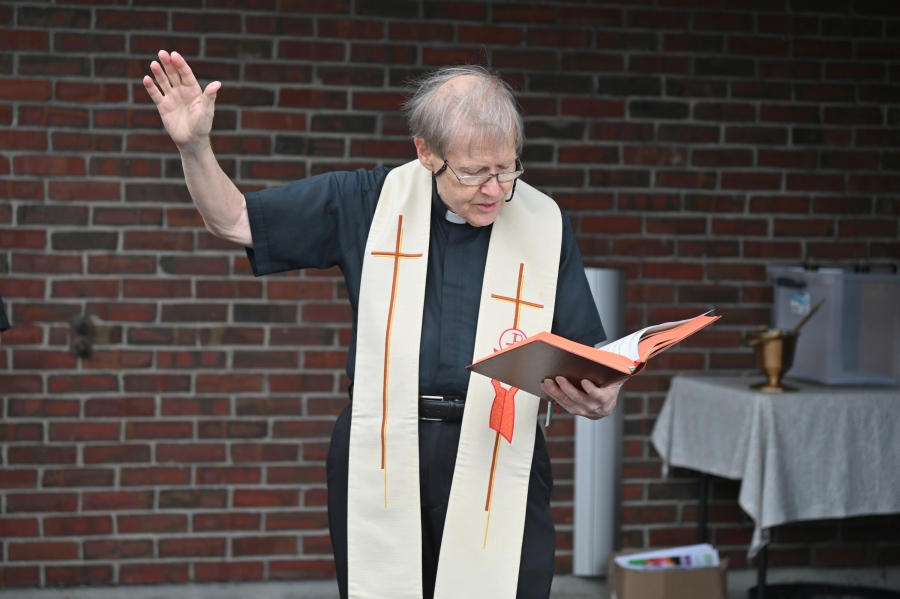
{"x": 492, "y": 187}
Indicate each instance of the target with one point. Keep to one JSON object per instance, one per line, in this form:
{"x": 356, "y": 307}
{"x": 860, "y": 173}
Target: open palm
{"x": 186, "y": 110}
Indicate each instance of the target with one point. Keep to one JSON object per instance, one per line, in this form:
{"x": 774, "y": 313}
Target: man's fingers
{"x": 151, "y": 89}
{"x": 185, "y": 73}
{"x": 569, "y": 389}
{"x": 553, "y": 389}
{"x": 161, "y": 78}
{"x": 171, "y": 71}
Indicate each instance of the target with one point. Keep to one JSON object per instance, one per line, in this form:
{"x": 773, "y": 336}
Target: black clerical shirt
{"x": 324, "y": 221}
{"x": 4, "y": 323}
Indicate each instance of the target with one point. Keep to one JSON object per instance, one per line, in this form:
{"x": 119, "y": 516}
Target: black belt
{"x": 436, "y": 407}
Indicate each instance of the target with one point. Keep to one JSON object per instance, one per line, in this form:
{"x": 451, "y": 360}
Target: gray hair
{"x": 481, "y": 116}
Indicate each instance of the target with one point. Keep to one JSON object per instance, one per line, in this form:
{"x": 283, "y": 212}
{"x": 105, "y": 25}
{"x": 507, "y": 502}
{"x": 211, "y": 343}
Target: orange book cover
{"x": 527, "y": 363}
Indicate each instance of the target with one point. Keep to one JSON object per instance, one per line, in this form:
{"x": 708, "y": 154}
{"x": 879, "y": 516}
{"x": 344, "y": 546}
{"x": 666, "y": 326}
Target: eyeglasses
{"x": 479, "y": 180}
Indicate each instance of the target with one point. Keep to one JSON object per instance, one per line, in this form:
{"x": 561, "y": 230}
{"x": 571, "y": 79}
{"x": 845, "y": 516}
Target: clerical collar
{"x": 454, "y": 218}
{"x": 439, "y": 204}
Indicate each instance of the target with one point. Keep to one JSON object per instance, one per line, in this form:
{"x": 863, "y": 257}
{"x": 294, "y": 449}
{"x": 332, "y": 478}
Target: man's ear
{"x": 426, "y": 156}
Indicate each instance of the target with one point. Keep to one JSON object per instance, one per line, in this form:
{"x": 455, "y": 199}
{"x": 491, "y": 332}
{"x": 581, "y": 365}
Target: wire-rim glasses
{"x": 479, "y": 180}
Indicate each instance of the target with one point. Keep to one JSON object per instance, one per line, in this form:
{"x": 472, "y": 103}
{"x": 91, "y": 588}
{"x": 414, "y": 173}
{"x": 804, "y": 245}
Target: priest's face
{"x": 479, "y": 204}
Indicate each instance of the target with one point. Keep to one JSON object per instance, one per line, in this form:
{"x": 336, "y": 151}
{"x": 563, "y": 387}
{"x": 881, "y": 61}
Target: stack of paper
{"x": 691, "y": 556}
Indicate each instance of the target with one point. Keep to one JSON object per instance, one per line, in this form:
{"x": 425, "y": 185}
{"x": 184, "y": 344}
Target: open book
{"x": 527, "y": 363}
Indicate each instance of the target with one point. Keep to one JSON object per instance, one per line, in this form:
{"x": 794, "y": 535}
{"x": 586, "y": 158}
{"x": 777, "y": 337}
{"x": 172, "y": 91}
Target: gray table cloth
{"x": 818, "y": 453}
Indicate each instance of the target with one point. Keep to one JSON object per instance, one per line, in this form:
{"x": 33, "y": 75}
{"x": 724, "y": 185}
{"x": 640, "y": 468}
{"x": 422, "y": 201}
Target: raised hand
{"x": 186, "y": 110}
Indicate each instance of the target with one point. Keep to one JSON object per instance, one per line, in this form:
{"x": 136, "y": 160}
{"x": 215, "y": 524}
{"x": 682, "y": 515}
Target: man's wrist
{"x": 194, "y": 149}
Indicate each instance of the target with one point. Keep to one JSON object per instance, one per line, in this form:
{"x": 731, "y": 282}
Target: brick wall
{"x": 693, "y": 142}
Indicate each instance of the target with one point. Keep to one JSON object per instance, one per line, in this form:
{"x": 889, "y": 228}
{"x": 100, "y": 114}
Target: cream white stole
{"x": 482, "y": 542}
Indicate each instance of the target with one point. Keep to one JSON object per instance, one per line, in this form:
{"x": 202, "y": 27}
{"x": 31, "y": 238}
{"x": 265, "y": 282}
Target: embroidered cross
{"x": 518, "y": 301}
{"x": 503, "y": 410}
{"x": 397, "y": 255}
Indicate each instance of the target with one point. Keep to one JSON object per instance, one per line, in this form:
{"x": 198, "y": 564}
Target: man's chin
{"x": 482, "y": 219}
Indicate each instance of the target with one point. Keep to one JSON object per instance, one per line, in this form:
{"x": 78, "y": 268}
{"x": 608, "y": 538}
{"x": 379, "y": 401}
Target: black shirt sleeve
{"x": 311, "y": 223}
{"x": 4, "y": 323}
{"x": 575, "y": 316}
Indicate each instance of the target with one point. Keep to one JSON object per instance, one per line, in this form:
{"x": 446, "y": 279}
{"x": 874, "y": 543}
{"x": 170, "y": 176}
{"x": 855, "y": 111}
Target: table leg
{"x": 701, "y": 507}
{"x": 761, "y": 572}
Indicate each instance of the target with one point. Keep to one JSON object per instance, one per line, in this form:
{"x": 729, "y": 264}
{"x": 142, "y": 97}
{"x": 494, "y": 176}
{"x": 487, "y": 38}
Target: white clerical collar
{"x": 454, "y": 218}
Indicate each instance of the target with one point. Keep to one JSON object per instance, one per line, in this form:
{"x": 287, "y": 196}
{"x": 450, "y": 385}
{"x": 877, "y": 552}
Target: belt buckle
{"x": 437, "y": 398}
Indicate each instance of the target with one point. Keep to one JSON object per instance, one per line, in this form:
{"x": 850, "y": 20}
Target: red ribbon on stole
{"x": 503, "y": 410}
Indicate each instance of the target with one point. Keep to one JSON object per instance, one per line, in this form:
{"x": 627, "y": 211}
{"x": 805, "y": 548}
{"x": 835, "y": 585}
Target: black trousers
{"x": 438, "y": 442}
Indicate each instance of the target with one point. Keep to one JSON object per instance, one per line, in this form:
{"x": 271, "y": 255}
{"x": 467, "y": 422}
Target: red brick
{"x": 158, "y": 430}
{"x": 227, "y": 521}
{"x": 46, "y": 408}
{"x": 118, "y": 408}
{"x": 820, "y": 182}
{"x": 24, "y": 239}
{"x": 43, "y": 551}
{"x": 116, "y": 454}
{"x": 41, "y": 455}
{"x": 117, "y": 500}
{"x": 755, "y": 180}
{"x": 155, "y": 523}
{"x": 421, "y": 31}
{"x": 18, "y": 479}
{"x": 191, "y": 499}
{"x": 723, "y": 21}
{"x": 41, "y": 502}
{"x": 43, "y": 360}
{"x": 236, "y": 289}
{"x": 24, "y": 89}
{"x": 269, "y": 545}
{"x": 229, "y": 383}
{"x": 20, "y": 576}
{"x": 82, "y": 477}
{"x": 228, "y": 475}
{"x": 757, "y": 46}
{"x": 301, "y": 569}
{"x": 196, "y": 452}
{"x": 19, "y": 527}
{"x": 275, "y": 121}
{"x": 19, "y": 189}
{"x": 817, "y": 48}
{"x": 153, "y": 573}
{"x": 84, "y": 431}
{"x": 77, "y": 526}
{"x": 116, "y": 550}
{"x": 23, "y": 140}
{"x": 867, "y": 228}
{"x": 192, "y": 547}
{"x": 79, "y": 190}
{"x": 155, "y": 476}
{"x": 264, "y": 452}
{"x": 266, "y": 498}
{"x": 195, "y": 407}
{"x": 190, "y": 360}
{"x": 787, "y": 158}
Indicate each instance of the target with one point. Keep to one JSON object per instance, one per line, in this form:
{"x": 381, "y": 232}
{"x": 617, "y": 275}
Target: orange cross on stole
{"x": 397, "y": 255}
{"x": 503, "y": 410}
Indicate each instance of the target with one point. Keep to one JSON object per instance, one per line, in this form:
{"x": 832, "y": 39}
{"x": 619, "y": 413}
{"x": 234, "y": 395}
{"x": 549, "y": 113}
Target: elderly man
{"x": 441, "y": 486}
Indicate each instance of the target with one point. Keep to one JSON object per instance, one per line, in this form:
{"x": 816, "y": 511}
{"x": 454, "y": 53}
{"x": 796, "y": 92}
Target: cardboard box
{"x": 692, "y": 583}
